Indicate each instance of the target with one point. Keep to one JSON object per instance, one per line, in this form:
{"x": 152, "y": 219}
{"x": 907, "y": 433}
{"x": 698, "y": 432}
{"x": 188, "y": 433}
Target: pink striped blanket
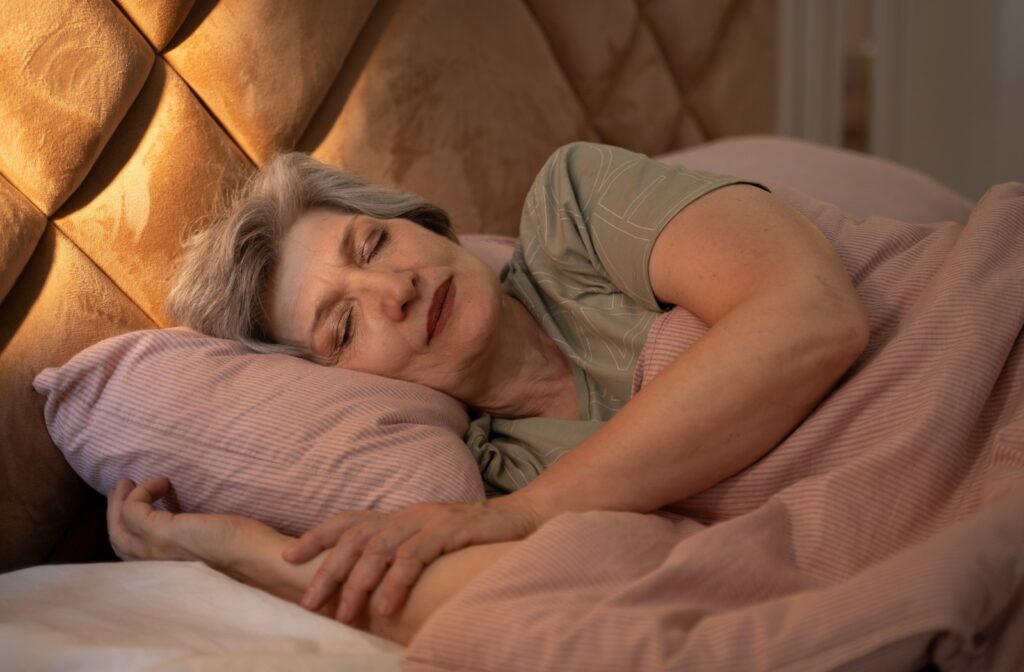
{"x": 885, "y": 532}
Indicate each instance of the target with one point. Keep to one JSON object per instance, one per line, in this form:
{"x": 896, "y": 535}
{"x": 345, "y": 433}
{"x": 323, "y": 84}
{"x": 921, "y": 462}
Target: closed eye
{"x": 345, "y": 327}
{"x": 343, "y": 332}
{"x": 378, "y": 243}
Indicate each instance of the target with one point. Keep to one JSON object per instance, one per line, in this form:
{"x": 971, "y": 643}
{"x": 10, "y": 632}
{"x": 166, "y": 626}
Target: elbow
{"x": 852, "y": 334}
{"x": 841, "y": 330}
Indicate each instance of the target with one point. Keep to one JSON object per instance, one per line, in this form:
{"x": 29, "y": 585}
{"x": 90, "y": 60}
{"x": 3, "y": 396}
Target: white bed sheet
{"x": 169, "y": 616}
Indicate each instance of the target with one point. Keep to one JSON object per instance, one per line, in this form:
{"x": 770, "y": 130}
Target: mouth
{"x": 440, "y": 308}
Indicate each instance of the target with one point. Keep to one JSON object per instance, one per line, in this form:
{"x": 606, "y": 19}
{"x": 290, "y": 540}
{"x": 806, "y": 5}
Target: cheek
{"x": 381, "y": 356}
{"x": 480, "y": 315}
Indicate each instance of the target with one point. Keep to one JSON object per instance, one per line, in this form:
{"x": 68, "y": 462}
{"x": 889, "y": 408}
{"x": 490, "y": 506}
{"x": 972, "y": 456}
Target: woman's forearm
{"x": 719, "y": 407}
{"x": 252, "y": 555}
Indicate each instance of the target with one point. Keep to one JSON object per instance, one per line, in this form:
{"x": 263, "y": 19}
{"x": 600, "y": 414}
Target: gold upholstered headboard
{"x": 122, "y": 122}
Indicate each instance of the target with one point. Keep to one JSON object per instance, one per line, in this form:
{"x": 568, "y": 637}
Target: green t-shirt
{"x": 581, "y": 268}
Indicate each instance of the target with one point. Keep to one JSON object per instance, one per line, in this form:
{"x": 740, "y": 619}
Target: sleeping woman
{"x": 311, "y": 261}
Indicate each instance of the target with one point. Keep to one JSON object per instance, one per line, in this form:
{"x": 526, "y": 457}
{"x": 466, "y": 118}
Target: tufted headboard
{"x": 122, "y": 125}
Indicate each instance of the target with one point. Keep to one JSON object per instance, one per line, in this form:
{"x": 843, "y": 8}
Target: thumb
{"x": 121, "y": 490}
{"x": 150, "y": 491}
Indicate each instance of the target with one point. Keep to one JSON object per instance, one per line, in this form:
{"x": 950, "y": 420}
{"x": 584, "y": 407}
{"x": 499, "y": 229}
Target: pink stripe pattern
{"x": 271, "y": 437}
{"x": 885, "y": 532}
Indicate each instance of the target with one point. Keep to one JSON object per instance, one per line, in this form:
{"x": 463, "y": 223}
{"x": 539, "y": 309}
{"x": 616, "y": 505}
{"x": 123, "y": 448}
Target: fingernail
{"x": 346, "y": 612}
{"x": 307, "y": 600}
{"x": 385, "y": 607}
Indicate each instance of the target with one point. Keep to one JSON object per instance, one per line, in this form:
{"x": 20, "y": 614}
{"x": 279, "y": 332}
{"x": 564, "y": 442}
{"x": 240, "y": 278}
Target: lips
{"x": 434, "y": 314}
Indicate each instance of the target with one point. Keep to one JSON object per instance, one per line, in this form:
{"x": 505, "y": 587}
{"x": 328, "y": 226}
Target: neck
{"x": 527, "y": 375}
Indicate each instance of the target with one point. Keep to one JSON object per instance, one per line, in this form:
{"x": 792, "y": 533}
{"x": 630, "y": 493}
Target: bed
{"x": 883, "y": 535}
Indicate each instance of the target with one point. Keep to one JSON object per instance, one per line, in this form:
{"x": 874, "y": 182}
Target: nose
{"x": 390, "y": 291}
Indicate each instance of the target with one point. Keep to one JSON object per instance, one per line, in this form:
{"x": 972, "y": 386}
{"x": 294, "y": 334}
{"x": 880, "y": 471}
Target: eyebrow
{"x": 345, "y": 249}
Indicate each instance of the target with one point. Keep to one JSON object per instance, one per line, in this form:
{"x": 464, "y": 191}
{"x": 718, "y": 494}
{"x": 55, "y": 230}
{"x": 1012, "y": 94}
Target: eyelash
{"x": 382, "y": 240}
{"x": 345, "y": 328}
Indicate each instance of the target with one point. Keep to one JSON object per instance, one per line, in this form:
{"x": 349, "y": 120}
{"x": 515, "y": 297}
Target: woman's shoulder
{"x": 568, "y": 184}
{"x": 580, "y": 158}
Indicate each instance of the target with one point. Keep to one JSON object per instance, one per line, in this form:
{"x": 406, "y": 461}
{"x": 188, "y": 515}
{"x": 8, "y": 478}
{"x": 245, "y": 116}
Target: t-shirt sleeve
{"x": 595, "y": 211}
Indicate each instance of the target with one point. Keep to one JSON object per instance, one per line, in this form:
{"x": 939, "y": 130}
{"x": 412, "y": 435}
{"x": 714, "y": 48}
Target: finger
{"x": 115, "y": 501}
{"x": 149, "y": 491}
{"x": 336, "y": 568}
{"x": 362, "y": 580}
{"x": 115, "y": 527}
{"x": 370, "y": 568}
{"x": 399, "y": 580}
{"x": 138, "y": 505}
{"x": 411, "y": 558}
{"x": 323, "y": 536}
{"x": 332, "y": 572}
{"x": 306, "y": 547}
{"x": 123, "y": 487}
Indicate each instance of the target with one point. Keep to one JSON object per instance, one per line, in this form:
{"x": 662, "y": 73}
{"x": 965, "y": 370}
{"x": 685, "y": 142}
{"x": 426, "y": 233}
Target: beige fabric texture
{"x": 265, "y": 97}
{"x": 21, "y": 225}
{"x": 883, "y": 533}
{"x": 125, "y": 122}
{"x": 61, "y": 304}
{"x": 68, "y": 74}
{"x": 158, "y": 20}
{"x": 129, "y": 218}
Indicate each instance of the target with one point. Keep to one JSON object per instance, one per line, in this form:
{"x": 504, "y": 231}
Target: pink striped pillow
{"x": 495, "y": 250}
{"x": 271, "y": 437}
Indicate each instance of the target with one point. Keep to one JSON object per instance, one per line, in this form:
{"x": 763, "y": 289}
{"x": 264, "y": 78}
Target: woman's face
{"x": 387, "y": 297}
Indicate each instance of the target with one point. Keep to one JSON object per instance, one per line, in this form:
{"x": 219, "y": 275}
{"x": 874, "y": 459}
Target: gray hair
{"x": 226, "y": 267}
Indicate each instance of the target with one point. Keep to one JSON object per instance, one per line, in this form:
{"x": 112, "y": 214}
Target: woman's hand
{"x": 140, "y": 532}
{"x": 392, "y": 550}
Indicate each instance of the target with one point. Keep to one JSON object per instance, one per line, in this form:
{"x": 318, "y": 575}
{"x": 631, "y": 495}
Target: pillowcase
{"x": 496, "y": 251}
{"x": 859, "y": 184}
{"x": 271, "y": 437}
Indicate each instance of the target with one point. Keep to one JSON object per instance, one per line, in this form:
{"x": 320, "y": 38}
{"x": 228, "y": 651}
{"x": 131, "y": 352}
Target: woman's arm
{"x": 250, "y": 552}
{"x": 785, "y": 324}
{"x": 255, "y": 559}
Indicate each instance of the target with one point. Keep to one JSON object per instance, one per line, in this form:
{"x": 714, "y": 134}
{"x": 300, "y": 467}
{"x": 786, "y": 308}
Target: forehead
{"x": 310, "y": 246}
{"x": 314, "y": 228}
{"x": 314, "y": 239}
